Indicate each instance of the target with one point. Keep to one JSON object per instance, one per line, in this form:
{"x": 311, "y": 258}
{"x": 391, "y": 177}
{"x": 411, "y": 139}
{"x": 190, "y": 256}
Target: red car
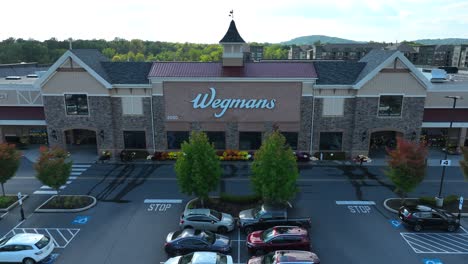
{"x": 278, "y": 237}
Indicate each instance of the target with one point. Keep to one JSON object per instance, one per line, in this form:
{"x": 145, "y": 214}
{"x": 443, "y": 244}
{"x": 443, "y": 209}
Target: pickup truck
{"x": 266, "y": 216}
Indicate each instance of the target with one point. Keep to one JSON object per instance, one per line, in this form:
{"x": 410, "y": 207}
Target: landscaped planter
{"x": 7, "y": 206}
{"x": 67, "y": 204}
{"x": 224, "y": 205}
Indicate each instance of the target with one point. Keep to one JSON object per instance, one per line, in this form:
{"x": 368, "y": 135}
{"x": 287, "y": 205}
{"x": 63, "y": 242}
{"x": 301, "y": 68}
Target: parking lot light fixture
{"x": 440, "y": 199}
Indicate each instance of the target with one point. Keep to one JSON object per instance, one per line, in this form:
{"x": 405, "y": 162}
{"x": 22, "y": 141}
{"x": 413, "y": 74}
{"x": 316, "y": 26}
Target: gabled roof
{"x": 373, "y": 59}
{"x": 127, "y": 72}
{"x": 338, "y": 72}
{"x": 376, "y": 60}
{"x": 232, "y": 35}
{"x": 216, "y": 70}
{"x": 93, "y": 58}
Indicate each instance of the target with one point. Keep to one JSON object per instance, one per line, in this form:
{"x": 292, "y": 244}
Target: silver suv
{"x": 207, "y": 219}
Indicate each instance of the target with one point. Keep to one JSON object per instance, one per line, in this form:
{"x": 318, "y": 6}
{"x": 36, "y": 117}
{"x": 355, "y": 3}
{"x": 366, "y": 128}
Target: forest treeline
{"x": 48, "y": 51}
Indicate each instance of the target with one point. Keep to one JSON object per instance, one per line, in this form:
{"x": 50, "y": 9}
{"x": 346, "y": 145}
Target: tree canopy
{"x": 464, "y": 162}
{"x": 52, "y": 168}
{"x": 198, "y": 169}
{"x": 407, "y": 166}
{"x": 47, "y": 52}
{"x": 274, "y": 170}
{"x": 9, "y": 163}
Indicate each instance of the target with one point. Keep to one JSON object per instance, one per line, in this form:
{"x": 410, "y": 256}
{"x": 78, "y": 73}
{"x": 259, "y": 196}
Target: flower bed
{"x": 68, "y": 202}
{"x": 225, "y": 155}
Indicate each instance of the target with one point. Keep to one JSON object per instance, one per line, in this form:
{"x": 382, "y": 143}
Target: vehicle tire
{"x": 248, "y": 230}
{"x": 178, "y": 252}
{"x": 451, "y": 228}
{"x": 222, "y": 230}
{"x": 186, "y": 227}
{"x": 29, "y": 261}
{"x": 259, "y": 252}
{"x": 417, "y": 227}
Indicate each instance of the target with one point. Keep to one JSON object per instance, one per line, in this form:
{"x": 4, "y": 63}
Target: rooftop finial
{"x": 70, "y": 40}
{"x": 231, "y": 14}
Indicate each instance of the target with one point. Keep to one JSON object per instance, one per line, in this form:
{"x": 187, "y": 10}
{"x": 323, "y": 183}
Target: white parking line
{"x": 78, "y": 169}
{"x": 63, "y": 235}
{"x": 355, "y": 203}
{"x": 238, "y": 245}
{"x": 441, "y": 243}
{"x": 81, "y": 166}
{"x": 163, "y": 201}
{"x": 45, "y": 192}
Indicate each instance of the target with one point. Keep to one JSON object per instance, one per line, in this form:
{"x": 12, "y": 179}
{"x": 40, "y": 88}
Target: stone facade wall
{"x": 343, "y": 124}
{"x": 232, "y": 136}
{"x": 367, "y": 121}
{"x": 100, "y": 118}
{"x": 159, "y": 114}
{"x": 303, "y": 142}
{"x": 131, "y": 123}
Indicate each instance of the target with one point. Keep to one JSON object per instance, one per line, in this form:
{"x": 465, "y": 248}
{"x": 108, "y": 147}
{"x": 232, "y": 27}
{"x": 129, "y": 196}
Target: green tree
{"x": 139, "y": 57}
{"x": 9, "y": 163}
{"x": 109, "y": 52}
{"x": 407, "y": 166}
{"x": 464, "y": 162}
{"x": 198, "y": 169}
{"x": 52, "y": 167}
{"x": 274, "y": 170}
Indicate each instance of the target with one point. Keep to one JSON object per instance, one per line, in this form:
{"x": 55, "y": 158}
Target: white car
{"x": 25, "y": 248}
{"x": 201, "y": 258}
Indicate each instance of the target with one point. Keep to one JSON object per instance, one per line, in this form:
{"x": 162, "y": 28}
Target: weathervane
{"x": 231, "y": 14}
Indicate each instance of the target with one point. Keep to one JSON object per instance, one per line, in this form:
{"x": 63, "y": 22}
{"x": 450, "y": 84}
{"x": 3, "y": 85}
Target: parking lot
{"x": 140, "y": 204}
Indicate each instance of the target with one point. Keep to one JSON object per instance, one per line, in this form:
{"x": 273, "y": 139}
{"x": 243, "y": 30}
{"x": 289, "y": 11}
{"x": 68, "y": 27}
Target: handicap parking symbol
{"x": 432, "y": 261}
{"x": 81, "y": 220}
{"x": 50, "y": 259}
{"x": 395, "y": 223}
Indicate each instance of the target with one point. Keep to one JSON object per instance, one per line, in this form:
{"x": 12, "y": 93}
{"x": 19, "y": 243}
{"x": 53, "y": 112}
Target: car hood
{"x": 221, "y": 241}
{"x": 227, "y": 218}
{"x": 246, "y": 214}
{"x": 173, "y": 260}
{"x": 255, "y": 237}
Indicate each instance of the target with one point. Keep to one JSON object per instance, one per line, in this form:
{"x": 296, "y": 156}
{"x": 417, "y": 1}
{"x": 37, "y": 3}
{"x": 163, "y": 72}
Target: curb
{"x": 38, "y": 210}
{"x": 13, "y": 204}
{"x": 396, "y": 212}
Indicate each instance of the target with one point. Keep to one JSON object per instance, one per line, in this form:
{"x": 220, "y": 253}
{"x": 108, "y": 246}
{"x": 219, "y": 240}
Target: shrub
{"x": 427, "y": 200}
{"x": 6, "y": 201}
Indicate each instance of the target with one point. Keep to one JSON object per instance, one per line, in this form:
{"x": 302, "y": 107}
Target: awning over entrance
{"x": 22, "y": 116}
{"x": 445, "y": 115}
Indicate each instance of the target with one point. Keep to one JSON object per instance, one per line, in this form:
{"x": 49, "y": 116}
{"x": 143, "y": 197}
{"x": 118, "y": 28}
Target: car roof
{"x": 295, "y": 256}
{"x": 24, "y": 239}
{"x": 204, "y": 257}
{"x": 200, "y": 211}
{"x": 289, "y": 230}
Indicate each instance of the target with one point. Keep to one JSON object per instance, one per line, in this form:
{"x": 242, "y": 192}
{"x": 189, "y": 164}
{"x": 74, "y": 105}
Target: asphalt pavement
{"x": 122, "y": 228}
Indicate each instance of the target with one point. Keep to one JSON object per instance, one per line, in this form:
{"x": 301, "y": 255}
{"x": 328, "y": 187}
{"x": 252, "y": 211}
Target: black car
{"x": 190, "y": 240}
{"x": 422, "y": 216}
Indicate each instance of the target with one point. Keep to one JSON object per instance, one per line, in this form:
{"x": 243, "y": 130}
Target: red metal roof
{"x": 445, "y": 115}
{"x": 21, "y": 113}
{"x": 250, "y": 70}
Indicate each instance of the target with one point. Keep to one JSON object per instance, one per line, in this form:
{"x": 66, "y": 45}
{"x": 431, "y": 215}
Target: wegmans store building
{"x": 327, "y": 106}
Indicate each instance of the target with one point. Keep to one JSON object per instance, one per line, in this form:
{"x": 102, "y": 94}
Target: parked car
{"x": 207, "y": 219}
{"x": 278, "y": 237}
{"x": 266, "y": 216}
{"x": 201, "y": 258}
{"x": 422, "y": 216}
{"x": 286, "y": 257}
{"x": 191, "y": 240}
{"x": 25, "y": 248}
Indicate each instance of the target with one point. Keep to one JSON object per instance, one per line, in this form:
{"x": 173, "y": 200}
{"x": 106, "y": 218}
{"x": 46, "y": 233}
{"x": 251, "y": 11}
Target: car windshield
{"x": 221, "y": 259}
{"x": 42, "y": 243}
{"x": 4, "y": 240}
{"x": 207, "y": 235}
{"x": 186, "y": 259}
{"x": 405, "y": 212}
{"x": 216, "y": 214}
{"x": 268, "y": 234}
{"x": 258, "y": 211}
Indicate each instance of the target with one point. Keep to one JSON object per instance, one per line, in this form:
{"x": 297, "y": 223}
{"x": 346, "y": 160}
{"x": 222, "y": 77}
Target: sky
{"x": 206, "y": 21}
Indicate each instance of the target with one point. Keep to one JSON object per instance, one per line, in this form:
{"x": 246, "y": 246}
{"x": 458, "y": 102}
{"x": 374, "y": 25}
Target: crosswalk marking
{"x": 441, "y": 243}
{"x": 76, "y": 170}
{"x": 60, "y": 236}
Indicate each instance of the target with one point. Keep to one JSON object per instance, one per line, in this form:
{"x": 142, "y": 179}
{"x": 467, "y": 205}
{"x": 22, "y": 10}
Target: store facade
{"x": 329, "y": 107}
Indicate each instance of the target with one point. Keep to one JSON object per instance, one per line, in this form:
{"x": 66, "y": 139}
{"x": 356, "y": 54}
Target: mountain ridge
{"x": 311, "y": 39}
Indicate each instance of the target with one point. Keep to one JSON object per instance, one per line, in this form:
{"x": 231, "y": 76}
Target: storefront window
{"x": 250, "y": 140}
{"x": 331, "y": 140}
{"x": 134, "y": 140}
{"x": 176, "y": 138}
{"x": 218, "y": 139}
{"x": 76, "y": 104}
{"x": 291, "y": 139}
{"x": 390, "y": 105}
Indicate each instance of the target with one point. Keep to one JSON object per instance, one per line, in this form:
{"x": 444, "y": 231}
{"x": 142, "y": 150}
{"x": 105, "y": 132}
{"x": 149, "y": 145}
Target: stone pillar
{"x": 461, "y": 141}
{"x": 232, "y": 136}
{"x": 306, "y": 124}
{"x": 2, "y": 140}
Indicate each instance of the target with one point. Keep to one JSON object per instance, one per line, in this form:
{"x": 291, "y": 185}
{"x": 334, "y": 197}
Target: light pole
{"x": 440, "y": 199}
